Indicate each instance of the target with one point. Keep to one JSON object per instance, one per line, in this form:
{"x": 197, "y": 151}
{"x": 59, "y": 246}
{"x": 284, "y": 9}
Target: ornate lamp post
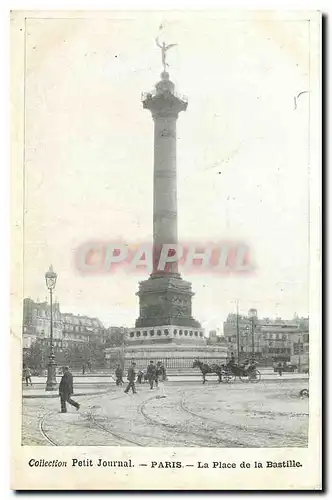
{"x": 51, "y": 383}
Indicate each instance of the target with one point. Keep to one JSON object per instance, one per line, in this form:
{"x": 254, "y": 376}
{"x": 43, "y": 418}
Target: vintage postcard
{"x": 166, "y": 272}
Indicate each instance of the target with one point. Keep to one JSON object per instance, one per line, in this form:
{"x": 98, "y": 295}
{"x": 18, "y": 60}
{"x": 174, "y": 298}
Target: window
{"x": 191, "y": 333}
{"x": 138, "y": 334}
{"x": 196, "y": 334}
{"x": 186, "y": 332}
{"x": 145, "y": 333}
{"x": 180, "y": 332}
{"x": 175, "y": 332}
{"x": 158, "y": 332}
{"x": 132, "y": 334}
{"x": 151, "y": 333}
{"x": 201, "y": 334}
{"x": 166, "y": 332}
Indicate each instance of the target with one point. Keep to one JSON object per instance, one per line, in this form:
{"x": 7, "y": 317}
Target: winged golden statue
{"x": 164, "y": 48}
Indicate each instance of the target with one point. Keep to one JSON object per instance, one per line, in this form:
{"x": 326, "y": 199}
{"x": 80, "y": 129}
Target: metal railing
{"x": 154, "y": 93}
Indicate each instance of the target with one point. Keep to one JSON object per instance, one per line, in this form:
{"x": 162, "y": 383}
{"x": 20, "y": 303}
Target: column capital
{"x": 163, "y": 101}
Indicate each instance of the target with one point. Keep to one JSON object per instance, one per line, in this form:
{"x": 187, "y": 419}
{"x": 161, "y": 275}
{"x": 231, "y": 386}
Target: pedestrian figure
{"x": 66, "y": 390}
{"x": 119, "y": 375}
{"x": 232, "y": 359}
{"x": 245, "y": 364}
{"x": 140, "y": 376}
{"x": 83, "y": 369}
{"x": 131, "y": 378}
{"x": 152, "y": 375}
{"x": 27, "y": 375}
{"x": 161, "y": 377}
{"x": 280, "y": 369}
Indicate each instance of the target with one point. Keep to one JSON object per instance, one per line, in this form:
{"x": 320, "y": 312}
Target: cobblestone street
{"x": 226, "y": 415}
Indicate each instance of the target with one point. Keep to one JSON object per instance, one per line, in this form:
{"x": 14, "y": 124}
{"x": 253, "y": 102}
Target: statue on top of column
{"x": 164, "y": 48}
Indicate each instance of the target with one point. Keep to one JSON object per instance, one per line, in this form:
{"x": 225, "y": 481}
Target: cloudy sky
{"x": 242, "y": 154}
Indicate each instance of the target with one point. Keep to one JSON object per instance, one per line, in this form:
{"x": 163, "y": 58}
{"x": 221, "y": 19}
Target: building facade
{"x": 37, "y": 323}
{"x": 82, "y": 330}
{"x": 270, "y": 341}
{"x": 69, "y": 330}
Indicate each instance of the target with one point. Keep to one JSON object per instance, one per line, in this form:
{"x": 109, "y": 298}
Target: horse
{"x": 205, "y": 368}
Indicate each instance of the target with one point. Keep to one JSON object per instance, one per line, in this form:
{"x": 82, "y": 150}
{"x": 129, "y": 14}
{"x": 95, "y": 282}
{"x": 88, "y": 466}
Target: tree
{"x": 77, "y": 355}
{"x": 116, "y": 337}
{"x": 60, "y": 358}
{"x": 34, "y": 356}
{"x": 97, "y": 354}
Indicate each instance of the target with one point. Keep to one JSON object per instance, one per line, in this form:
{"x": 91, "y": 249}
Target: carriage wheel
{"x": 255, "y": 377}
{"x": 304, "y": 393}
{"x": 227, "y": 377}
{"x": 244, "y": 378}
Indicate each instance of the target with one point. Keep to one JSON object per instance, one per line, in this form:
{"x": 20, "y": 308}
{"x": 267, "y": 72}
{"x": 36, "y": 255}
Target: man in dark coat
{"x": 66, "y": 390}
{"x": 119, "y": 375}
{"x": 232, "y": 360}
{"x": 131, "y": 378}
{"x": 27, "y": 375}
{"x": 152, "y": 374}
{"x": 161, "y": 372}
{"x": 140, "y": 376}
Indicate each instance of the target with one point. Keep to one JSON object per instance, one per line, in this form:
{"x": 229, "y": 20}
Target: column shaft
{"x": 165, "y": 189}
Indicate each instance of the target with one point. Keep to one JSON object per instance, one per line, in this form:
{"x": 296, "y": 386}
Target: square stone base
{"x": 165, "y": 300}
{"x": 176, "y": 357}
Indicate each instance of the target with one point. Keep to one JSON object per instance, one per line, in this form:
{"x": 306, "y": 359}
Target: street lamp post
{"x": 51, "y": 383}
{"x": 252, "y": 316}
{"x": 253, "y": 335}
{"x": 237, "y": 332}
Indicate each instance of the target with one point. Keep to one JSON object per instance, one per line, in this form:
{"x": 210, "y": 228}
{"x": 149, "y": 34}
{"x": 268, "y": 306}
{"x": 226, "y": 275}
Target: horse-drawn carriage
{"x": 228, "y": 373}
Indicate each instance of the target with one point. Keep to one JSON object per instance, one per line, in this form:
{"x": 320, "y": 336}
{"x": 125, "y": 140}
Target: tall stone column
{"x": 165, "y": 106}
{"x": 165, "y": 298}
{"x": 165, "y": 328}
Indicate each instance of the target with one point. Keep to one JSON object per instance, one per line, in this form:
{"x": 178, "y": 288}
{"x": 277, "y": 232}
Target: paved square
{"x": 268, "y": 414}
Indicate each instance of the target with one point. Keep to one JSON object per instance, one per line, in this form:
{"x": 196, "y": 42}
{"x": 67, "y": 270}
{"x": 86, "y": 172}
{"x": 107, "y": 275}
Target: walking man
{"x": 27, "y": 375}
{"x": 119, "y": 375}
{"x": 280, "y": 369}
{"x": 161, "y": 377}
{"x": 66, "y": 390}
{"x": 131, "y": 378}
{"x": 152, "y": 374}
{"x": 140, "y": 376}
